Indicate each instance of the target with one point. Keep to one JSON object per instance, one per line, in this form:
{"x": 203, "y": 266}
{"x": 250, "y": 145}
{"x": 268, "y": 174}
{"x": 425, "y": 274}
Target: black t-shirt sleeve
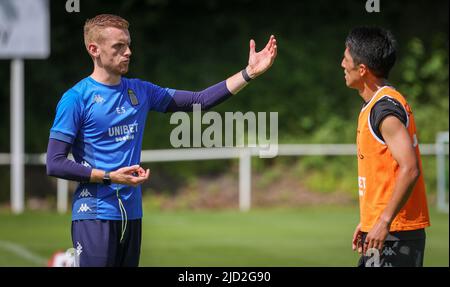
{"x": 383, "y": 108}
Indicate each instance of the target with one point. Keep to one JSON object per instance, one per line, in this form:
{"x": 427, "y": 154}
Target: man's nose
{"x": 128, "y": 52}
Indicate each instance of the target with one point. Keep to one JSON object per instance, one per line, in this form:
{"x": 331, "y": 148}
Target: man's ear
{"x": 363, "y": 70}
{"x": 94, "y": 50}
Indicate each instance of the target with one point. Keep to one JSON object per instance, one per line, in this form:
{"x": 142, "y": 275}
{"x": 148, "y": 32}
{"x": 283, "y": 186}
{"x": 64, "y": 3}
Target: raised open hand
{"x": 259, "y": 62}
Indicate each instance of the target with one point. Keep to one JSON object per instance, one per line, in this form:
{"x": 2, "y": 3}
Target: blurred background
{"x": 304, "y": 208}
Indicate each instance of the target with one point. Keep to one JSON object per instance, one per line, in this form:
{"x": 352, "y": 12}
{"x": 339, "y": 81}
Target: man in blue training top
{"x": 102, "y": 119}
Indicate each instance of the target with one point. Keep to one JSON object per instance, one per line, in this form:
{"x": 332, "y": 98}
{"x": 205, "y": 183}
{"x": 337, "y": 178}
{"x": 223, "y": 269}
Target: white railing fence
{"x": 244, "y": 155}
{"x": 442, "y": 170}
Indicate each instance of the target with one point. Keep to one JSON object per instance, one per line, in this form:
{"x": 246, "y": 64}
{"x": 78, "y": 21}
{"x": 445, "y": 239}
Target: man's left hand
{"x": 376, "y": 237}
{"x": 259, "y": 62}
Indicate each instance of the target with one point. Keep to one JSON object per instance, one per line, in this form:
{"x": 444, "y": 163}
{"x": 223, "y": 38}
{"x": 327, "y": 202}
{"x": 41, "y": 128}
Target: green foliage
{"x": 330, "y": 174}
{"x": 425, "y": 84}
{"x": 192, "y": 45}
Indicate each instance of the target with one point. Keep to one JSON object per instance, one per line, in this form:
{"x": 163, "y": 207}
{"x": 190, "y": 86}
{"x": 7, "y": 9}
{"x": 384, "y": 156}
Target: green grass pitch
{"x": 312, "y": 236}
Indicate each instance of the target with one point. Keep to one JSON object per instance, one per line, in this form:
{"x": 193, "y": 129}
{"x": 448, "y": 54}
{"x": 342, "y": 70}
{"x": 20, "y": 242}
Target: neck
{"x": 102, "y": 76}
{"x": 370, "y": 88}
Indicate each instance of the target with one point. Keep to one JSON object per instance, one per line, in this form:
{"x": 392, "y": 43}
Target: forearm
{"x": 237, "y": 82}
{"x": 58, "y": 165}
{"x": 208, "y": 98}
{"x": 405, "y": 182}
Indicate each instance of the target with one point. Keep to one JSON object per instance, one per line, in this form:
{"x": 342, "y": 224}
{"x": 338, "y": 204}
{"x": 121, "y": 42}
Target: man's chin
{"x": 350, "y": 85}
{"x": 123, "y": 72}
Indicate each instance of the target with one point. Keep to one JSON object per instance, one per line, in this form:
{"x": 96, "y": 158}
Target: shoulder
{"x": 78, "y": 94}
{"x": 134, "y": 82}
{"x": 391, "y": 101}
{"x": 388, "y": 106}
{"x": 138, "y": 85}
{"x": 147, "y": 87}
{"x": 393, "y": 93}
{"x": 387, "y": 103}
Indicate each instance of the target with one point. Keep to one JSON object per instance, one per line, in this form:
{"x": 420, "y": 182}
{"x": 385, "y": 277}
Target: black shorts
{"x": 398, "y": 252}
{"x": 98, "y": 243}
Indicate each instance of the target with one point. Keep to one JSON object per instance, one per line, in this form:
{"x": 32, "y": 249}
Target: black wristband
{"x": 245, "y": 75}
{"x": 107, "y": 178}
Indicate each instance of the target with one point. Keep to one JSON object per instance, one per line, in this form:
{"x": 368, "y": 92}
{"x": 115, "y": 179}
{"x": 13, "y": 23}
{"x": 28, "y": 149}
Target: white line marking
{"x": 22, "y": 252}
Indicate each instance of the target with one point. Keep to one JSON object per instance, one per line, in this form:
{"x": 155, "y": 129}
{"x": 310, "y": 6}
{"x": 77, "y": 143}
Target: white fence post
{"x": 17, "y": 137}
{"x": 62, "y": 195}
{"x": 245, "y": 179}
{"x": 442, "y": 177}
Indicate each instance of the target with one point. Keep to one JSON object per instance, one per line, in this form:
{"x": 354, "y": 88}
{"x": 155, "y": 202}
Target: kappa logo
{"x": 85, "y": 163}
{"x": 79, "y": 248}
{"x": 83, "y": 208}
{"x": 85, "y": 193}
{"x": 98, "y": 99}
{"x": 388, "y": 251}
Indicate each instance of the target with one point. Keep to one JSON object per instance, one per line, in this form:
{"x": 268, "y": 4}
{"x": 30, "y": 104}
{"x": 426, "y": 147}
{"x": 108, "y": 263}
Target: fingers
{"x": 356, "y": 242}
{"x": 137, "y": 180}
{"x": 141, "y": 172}
{"x": 252, "y": 47}
{"x": 132, "y": 175}
{"x": 142, "y": 176}
{"x": 360, "y": 248}
{"x": 129, "y": 169}
{"x": 373, "y": 243}
{"x": 355, "y": 235}
{"x": 144, "y": 173}
{"x": 269, "y": 44}
{"x": 365, "y": 246}
{"x": 274, "y": 51}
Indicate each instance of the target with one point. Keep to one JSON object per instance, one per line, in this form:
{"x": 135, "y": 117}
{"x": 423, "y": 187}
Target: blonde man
{"x": 102, "y": 120}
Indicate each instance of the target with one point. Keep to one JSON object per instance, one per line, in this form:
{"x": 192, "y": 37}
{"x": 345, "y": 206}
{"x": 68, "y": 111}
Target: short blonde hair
{"x": 93, "y": 27}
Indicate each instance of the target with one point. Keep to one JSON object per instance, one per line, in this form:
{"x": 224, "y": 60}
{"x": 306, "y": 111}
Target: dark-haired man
{"x": 393, "y": 205}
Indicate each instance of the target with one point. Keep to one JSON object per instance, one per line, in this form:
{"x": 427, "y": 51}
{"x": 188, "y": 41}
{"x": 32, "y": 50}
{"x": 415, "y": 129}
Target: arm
{"x": 208, "y": 98}
{"x": 258, "y": 63}
{"x": 400, "y": 145}
{"x": 58, "y": 165}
